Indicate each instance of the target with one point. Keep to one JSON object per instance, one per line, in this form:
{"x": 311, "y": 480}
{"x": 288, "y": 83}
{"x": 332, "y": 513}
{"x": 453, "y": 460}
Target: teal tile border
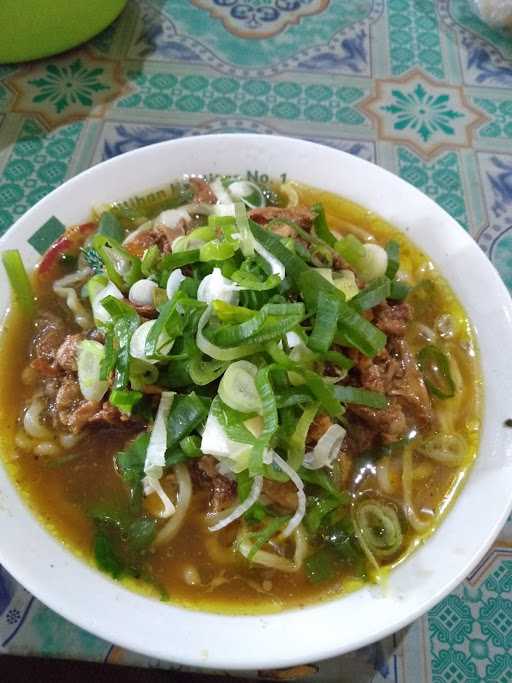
{"x": 46, "y": 234}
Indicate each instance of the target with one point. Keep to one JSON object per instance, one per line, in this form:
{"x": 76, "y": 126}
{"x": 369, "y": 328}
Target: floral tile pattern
{"x": 426, "y": 115}
{"x": 421, "y": 87}
{"x": 259, "y": 20}
{"x": 66, "y": 89}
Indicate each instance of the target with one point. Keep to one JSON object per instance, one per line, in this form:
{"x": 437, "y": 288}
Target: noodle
{"x": 62, "y": 288}
{"x": 273, "y": 561}
{"x": 171, "y": 528}
{"x": 31, "y": 420}
{"x": 419, "y": 525}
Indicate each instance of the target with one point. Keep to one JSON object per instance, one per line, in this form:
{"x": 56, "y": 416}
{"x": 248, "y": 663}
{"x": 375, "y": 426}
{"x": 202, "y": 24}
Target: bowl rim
{"x": 55, "y": 583}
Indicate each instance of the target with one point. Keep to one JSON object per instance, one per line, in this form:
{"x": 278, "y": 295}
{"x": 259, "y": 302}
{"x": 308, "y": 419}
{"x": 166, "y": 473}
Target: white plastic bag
{"x": 495, "y": 12}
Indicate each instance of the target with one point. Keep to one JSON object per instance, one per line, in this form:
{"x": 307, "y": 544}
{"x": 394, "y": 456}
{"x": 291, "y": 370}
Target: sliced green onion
{"x": 362, "y": 397}
{"x": 19, "y": 281}
{"x": 242, "y": 224}
{"x": 351, "y": 249}
{"x": 248, "y": 192}
{"x": 90, "y": 357}
{"x": 393, "y": 252}
{"x": 374, "y": 293}
{"x": 182, "y": 258}
{"x": 216, "y": 352}
{"x": 150, "y": 260}
{"x": 260, "y": 538}
{"x": 272, "y": 321}
{"x": 357, "y": 331}
{"x": 339, "y": 359}
{"x": 237, "y": 388}
{"x": 125, "y": 400}
{"x": 297, "y": 443}
{"x": 293, "y": 396}
{"x": 229, "y": 313}
{"x": 435, "y": 367}
{"x": 186, "y": 414}
{"x": 232, "y": 422}
{"x": 142, "y": 373}
{"x": 320, "y": 225}
{"x": 218, "y": 250}
{"x": 108, "y": 362}
{"x": 270, "y": 419}
{"x": 155, "y": 454}
{"x": 203, "y": 372}
{"x": 374, "y": 264}
{"x": 360, "y": 333}
{"x": 346, "y": 283}
{"x": 320, "y": 566}
{"x": 191, "y": 446}
{"x": 317, "y": 509}
{"x": 125, "y": 322}
{"x": 321, "y": 479}
{"x": 165, "y": 329}
{"x": 123, "y": 268}
{"x": 324, "y": 392}
{"x": 380, "y": 527}
{"x": 399, "y": 290}
{"x": 250, "y": 281}
{"x": 326, "y": 321}
{"x": 447, "y": 449}
{"x": 321, "y": 390}
{"x": 110, "y": 226}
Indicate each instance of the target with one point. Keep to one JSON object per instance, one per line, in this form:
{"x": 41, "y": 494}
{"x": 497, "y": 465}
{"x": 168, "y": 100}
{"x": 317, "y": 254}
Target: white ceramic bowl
{"x": 91, "y": 600}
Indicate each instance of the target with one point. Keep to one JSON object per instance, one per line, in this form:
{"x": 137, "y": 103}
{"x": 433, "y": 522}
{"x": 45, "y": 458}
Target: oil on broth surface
{"x": 63, "y": 495}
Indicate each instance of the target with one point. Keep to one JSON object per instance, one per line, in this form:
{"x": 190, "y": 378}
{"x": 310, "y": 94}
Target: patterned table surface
{"x": 421, "y": 87}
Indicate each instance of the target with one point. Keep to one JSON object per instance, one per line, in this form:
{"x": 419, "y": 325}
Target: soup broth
{"x": 379, "y": 495}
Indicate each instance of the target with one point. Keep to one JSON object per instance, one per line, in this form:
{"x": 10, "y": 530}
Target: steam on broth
{"x": 239, "y": 397}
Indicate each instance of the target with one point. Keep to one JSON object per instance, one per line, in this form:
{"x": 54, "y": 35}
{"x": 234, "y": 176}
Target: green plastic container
{"x": 30, "y": 29}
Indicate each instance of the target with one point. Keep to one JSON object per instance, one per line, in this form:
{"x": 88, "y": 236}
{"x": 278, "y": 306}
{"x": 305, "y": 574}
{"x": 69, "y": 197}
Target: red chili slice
{"x": 65, "y": 244}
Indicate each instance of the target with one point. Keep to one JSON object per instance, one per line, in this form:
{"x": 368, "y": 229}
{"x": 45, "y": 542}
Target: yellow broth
{"x": 62, "y": 495}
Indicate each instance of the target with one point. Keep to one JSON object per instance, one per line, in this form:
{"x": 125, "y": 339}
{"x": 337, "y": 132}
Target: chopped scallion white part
{"x": 293, "y": 340}
{"x": 152, "y": 485}
{"x": 242, "y": 508}
{"x": 173, "y": 283}
{"x": 301, "y": 496}
{"x": 171, "y": 217}
{"x": 254, "y": 425}
{"x": 248, "y": 192}
{"x": 276, "y": 267}
{"x": 347, "y": 284}
{"x": 89, "y": 357}
{"x": 217, "y": 352}
{"x": 100, "y": 313}
{"x": 326, "y": 273}
{"x": 224, "y": 209}
{"x": 237, "y": 388}
{"x": 155, "y": 454}
{"x": 303, "y": 356}
{"x": 326, "y": 449}
{"x": 374, "y": 263}
{"x": 244, "y": 233}
{"x": 242, "y": 188}
{"x": 216, "y": 442}
{"x": 138, "y": 342}
{"x": 216, "y": 286}
{"x": 223, "y": 196}
{"x": 141, "y": 292}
